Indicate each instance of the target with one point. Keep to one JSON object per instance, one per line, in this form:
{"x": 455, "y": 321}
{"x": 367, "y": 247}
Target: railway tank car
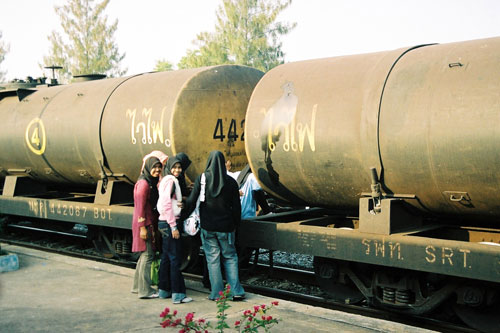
{"x": 82, "y": 133}
{"x": 72, "y": 152}
{"x": 425, "y": 117}
{"x": 408, "y": 142}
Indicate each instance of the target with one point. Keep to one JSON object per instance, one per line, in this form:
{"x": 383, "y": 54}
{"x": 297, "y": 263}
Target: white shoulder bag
{"x": 192, "y": 223}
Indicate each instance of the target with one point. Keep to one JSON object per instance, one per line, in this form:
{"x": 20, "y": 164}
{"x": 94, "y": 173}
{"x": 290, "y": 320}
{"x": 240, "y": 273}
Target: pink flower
{"x": 182, "y": 330}
{"x": 165, "y": 312}
{"x": 263, "y": 306}
{"x": 221, "y": 293}
{"x": 247, "y": 312}
{"x": 269, "y": 318}
{"x": 237, "y": 323}
{"x": 175, "y": 312}
{"x": 275, "y": 303}
{"x": 189, "y": 317}
{"x": 256, "y": 308}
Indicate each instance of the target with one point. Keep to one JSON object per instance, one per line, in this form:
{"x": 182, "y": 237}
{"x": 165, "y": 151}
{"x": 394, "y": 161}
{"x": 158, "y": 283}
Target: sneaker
{"x": 184, "y": 300}
{"x": 238, "y": 298}
{"x": 155, "y": 295}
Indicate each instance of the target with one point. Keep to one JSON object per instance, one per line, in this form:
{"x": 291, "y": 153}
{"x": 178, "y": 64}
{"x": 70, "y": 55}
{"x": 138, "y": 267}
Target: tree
{"x": 87, "y": 46}
{"x": 4, "y": 49}
{"x": 163, "y": 65}
{"x": 246, "y": 34}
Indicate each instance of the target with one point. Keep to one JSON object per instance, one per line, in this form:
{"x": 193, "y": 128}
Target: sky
{"x": 152, "y": 30}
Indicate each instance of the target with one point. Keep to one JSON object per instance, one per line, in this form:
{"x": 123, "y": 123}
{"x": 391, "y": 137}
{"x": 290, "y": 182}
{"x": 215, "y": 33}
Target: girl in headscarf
{"x": 171, "y": 282}
{"x": 185, "y": 163}
{"x": 144, "y": 226}
{"x": 220, "y": 212}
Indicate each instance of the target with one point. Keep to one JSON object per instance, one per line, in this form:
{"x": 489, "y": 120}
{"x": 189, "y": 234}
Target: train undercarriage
{"x": 410, "y": 270}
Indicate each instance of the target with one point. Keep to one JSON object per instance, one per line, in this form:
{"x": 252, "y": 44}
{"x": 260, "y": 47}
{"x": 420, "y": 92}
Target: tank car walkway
{"x": 54, "y": 293}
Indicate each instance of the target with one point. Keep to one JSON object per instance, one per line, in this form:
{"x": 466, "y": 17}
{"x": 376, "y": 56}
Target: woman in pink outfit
{"x": 171, "y": 282}
{"x": 145, "y": 226}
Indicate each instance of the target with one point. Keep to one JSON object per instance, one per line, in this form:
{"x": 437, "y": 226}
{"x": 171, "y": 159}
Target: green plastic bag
{"x": 155, "y": 271}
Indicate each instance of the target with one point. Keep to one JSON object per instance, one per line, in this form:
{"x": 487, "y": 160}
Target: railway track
{"x": 273, "y": 281}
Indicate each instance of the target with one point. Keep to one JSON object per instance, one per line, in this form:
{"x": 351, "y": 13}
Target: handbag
{"x": 192, "y": 223}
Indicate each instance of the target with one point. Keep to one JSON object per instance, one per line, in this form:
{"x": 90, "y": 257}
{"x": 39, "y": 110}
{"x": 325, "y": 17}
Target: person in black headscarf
{"x": 220, "y": 214}
{"x": 145, "y": 226}
{"x": 185, "y": 163}
{"x": 171, "y": 282}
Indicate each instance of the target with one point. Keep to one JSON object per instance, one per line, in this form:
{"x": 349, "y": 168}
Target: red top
{"x": 143, "y": 208}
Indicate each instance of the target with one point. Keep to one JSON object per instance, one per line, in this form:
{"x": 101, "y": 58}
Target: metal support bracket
{"x": 394, "y": 216}
{"x": 21, "y": 185}
{"x": 115, "y": 192}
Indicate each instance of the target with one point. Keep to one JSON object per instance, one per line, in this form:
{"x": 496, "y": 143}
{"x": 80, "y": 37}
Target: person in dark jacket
{"x": 220, "y": 214}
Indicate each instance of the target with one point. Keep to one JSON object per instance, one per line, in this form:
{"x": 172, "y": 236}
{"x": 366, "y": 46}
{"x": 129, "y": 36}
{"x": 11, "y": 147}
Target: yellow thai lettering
{"x": 291, "y": 130}
{"x": 150, "y": 131}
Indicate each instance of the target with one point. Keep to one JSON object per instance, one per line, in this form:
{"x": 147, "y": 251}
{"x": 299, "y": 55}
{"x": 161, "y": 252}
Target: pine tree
{"x": 4, "y": 49}
{"x": 246, "y": 34}
{"x": 87, "y": 46}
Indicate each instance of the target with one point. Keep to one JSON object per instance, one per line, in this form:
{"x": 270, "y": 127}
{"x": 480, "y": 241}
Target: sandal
{"x": 155, "y": 295}
{"x": 238, "y": 298}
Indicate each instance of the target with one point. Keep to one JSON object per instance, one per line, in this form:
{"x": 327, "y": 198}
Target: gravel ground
{"x": 292, "y": 260}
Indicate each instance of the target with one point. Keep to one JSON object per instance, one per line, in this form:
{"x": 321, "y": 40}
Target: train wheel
{"x": 329, "y": 277}
{"x": 483, "y": 320}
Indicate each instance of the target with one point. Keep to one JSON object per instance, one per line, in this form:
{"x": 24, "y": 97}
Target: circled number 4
{"x": 35, "y": 138}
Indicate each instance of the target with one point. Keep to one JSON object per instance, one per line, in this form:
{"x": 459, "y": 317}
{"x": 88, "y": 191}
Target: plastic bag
{"x": 192, "y": 223}
{"x": 155, "y": 271}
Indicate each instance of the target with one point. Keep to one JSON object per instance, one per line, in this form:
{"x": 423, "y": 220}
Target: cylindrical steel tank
{"x": 79, "y": 132}
{"x": 427, "y": 117}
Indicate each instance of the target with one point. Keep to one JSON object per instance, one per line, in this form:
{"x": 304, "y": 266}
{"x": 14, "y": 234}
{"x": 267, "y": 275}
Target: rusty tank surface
{"x": 426, "y": 118}
{"x": 83, "y": 132}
